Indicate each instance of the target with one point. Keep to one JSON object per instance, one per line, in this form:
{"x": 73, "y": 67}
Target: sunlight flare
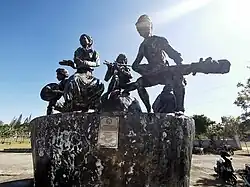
{"x": 176, "y": 11}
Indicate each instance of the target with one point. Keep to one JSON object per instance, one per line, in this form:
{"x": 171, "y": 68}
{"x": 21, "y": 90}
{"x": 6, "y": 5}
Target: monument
{"x": 118, "y": 145}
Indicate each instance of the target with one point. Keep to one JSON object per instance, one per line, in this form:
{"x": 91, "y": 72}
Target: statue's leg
{"x": 113, "y": 84}
{"x": 157, "y": 105}
{"x": 95, "y": 90}
{"x": 82, "y": 92}
{"x": 111, "y": 87}
{"x": 51, "y": 107}
{"x": 68, "y": 90}
{"x": 59, "y": 106}
{"x": 179, "y": 92}
{"x": 139, "y": 85}
{"x": 130, "y": 87}
{"x": 142, "y": 84}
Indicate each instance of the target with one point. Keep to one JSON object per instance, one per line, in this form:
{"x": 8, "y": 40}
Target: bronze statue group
{"x": 82, "y": 91}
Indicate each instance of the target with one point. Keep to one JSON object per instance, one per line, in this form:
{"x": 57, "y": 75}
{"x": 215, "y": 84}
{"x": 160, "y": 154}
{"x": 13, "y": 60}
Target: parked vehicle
{"x": 225, "y": 170}
{"x": 245, "y": 175}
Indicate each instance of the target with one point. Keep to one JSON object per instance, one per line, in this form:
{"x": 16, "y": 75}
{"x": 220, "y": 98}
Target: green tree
{"x": 244, "y": 128}
{"x": 243, "y": 99}
{"x": 231, "y": 125}
{"x": 215, "y": 131}
{"x": 202, "y": 124}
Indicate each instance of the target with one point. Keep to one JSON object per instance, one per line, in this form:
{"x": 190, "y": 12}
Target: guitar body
{"x": 207, "y": 67}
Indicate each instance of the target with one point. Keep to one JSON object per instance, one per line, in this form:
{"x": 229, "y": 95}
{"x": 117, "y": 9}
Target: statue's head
{"x": 144, "y": 26}
{"x": 86, "y": 40}
{"x": 121, "y": 59}
{"x": 61, "y": 74}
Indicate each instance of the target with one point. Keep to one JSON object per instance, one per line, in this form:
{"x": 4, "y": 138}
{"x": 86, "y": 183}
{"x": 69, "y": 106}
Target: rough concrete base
{"x": 75, "y": 149}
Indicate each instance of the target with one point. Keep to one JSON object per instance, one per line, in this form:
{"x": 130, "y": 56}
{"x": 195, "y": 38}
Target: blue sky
{"x": 36, "y": 35}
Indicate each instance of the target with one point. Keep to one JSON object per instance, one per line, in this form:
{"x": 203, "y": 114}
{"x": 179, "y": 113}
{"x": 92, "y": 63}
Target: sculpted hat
{"x": 88, "y": 37}
{"x": 143, "y": 19}
{"x": 121, "y": 58}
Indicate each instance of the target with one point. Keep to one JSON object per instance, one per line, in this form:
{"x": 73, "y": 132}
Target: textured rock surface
{"x": 153, "y": 150}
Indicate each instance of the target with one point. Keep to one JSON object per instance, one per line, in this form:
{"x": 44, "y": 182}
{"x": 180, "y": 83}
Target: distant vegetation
{"x": 17, "y": 130}
{"x": 227, "y": 128}
{"x": 229, "y": 125}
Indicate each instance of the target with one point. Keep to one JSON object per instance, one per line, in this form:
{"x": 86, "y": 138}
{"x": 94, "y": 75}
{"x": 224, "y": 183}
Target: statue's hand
{"x": 64, "y": 61}
{"x": 49, "y": 88}
{"x": 57, "y": 91}
{"x": 109, "y": 65}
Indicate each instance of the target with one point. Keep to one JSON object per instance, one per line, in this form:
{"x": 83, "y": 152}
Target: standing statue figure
{"x": 155, "y": 49}
{"x": 83, "y": 91}
{"x": 120, "y": 73}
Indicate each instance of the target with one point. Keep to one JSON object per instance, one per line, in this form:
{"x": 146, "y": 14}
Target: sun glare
{"x": 236, "y": 14}
{"x": 173, "y": 12}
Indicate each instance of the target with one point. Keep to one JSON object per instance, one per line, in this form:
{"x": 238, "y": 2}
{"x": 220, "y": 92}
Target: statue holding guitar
{"x": 83, "y": 91}
{"x": 158, "y": 71}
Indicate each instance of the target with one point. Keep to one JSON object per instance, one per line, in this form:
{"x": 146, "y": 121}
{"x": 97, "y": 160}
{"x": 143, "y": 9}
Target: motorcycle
{"x": 245, "y": 175}
{"x": 225, "y": 171}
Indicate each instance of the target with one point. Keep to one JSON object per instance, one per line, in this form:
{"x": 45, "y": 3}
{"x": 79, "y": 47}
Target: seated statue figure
{"x": 83, "y": 91}
{"x": 52, "y": 92}
{"x": 165, "y": 101}
{"x": 114, "y": 99}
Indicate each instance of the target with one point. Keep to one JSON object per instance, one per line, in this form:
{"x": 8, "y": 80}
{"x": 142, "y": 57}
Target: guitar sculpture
{"x": 207, "y": 66}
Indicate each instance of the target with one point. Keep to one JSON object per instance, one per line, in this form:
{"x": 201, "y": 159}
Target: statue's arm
{"x": 126, "y": 72}
{"x": 109, "y": 73}
{"x": 76, "y": 55}
{"x": 95, "y": 62}
{"x": 58, "y": 91}
{"x": 138, "y": 58}
{"x": 172, "y": 53}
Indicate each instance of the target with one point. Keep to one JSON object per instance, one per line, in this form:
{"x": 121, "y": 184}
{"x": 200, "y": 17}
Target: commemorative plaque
{"x": 108, "y": 132}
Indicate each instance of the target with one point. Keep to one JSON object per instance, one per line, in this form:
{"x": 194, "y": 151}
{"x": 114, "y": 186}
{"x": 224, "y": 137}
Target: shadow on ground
{"x": 215, "y": 181}
{"x": 18, "y": 183}
{"x": 19, "y": 150}
{"x": 209, "y": 181}
{"x": 243, "y": 154}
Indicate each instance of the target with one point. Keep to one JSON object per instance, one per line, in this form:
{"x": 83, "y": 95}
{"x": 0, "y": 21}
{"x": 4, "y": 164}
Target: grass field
{"x": 11, "y": 144}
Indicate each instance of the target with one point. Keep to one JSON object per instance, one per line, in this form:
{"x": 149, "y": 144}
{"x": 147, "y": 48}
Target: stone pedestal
{"x": 112, "y": 150}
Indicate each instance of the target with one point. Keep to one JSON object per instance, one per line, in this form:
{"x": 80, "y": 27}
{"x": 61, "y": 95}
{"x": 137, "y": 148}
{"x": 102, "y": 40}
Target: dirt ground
{"x": 15, "y": 166}
{"x": 202, "y": 172}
